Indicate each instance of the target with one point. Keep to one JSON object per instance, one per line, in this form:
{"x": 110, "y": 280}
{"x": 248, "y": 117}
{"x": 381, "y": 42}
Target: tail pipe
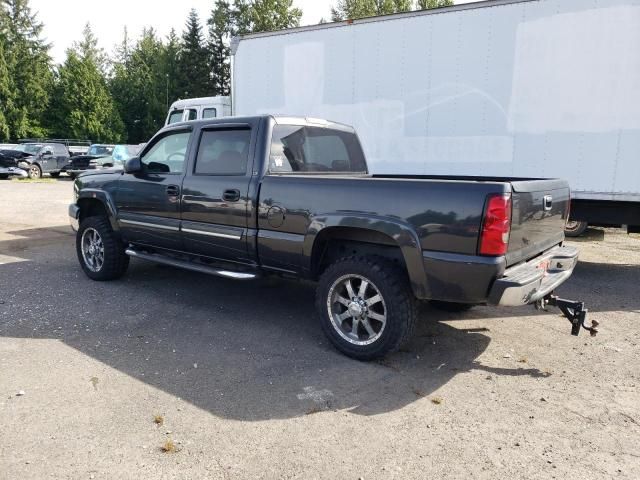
{"x": 572, "y": 310}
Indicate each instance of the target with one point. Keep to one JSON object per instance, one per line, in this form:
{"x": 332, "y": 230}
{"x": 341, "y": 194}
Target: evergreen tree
{"x": 88, "y": 49}
{"x": 138, "y": 86}
{"x": 193, "y": 60}
{"x": 218, "y": 46}
{"x": 27, "y": 63}
{"x": 82, "y": 106}
{"x": 6, "y": 100}
{"x": 171, "y": 68}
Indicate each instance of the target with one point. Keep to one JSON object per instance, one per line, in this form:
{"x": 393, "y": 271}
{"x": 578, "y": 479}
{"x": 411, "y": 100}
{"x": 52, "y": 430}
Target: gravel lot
{"x": 245, "y": 386}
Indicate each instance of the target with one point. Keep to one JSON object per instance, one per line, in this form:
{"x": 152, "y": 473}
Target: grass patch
{"x": 169, "y": 447}
{"x": 34, "y": 180}
{"x": 436, "y": 400}
{"x": 158, "y": 419}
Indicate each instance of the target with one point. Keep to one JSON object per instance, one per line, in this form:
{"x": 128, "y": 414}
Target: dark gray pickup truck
{"x": 244, "y": 197}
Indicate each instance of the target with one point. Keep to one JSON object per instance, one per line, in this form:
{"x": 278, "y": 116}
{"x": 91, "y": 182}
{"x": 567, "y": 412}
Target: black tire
{"x": 575, "y": 228}
{"x": 35, "y": 172}
{"x": 451, "y": 306}
{"x": 114, "y": 261}
{"x": 398, "y": 306}
{"x": 72, "y": 176}
{"x": 54, "y": 174}
{"x": 3, "y": 176}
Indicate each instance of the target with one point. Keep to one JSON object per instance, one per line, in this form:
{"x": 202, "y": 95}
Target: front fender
{"x": 403, "y": 235}
{"x": 92, "y": 195}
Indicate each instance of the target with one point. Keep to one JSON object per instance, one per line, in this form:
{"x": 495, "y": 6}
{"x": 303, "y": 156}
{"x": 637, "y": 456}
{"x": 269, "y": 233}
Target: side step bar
{"x": 189, "y": 265}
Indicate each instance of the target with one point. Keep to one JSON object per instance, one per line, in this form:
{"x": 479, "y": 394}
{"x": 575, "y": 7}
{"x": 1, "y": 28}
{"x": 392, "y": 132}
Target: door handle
{"x": 232, "y": 195}
{"x": 173, "y": 190}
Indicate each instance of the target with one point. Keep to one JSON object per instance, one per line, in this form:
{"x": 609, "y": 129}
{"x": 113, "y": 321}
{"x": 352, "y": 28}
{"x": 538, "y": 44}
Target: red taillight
{"x": 496, "y": 225}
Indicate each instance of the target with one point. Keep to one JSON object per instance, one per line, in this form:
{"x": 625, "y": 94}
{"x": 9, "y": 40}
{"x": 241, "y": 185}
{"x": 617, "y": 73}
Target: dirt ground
{"x": 236, "y": 380}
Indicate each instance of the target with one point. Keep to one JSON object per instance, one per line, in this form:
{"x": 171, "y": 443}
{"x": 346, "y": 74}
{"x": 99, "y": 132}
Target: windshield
{"x": 100, "y": 150}
{"x": 175, "y": 117}
{"x": 297, "y": 148}
{"x": 31, "y": 148}
{"x": 122, "y": 153}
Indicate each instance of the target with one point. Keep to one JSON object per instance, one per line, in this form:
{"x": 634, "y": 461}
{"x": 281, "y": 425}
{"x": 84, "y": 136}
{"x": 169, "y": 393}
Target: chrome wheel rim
{"x": 34, "y": 172}
{"x": 92, "y": 249}
{"x": 572, "y": 225}
{"x": 357, "y": 309}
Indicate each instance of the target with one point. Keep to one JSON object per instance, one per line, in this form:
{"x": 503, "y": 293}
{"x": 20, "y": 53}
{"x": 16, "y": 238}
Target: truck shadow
{"x": 247, "y": 351}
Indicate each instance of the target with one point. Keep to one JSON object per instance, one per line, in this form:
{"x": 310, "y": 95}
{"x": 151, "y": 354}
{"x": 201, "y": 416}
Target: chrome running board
{"x": 152, "y": 257}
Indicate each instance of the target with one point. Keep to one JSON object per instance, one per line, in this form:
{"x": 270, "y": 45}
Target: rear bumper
{"x": 74, "y": 214}
{"x": 530, "y": 281}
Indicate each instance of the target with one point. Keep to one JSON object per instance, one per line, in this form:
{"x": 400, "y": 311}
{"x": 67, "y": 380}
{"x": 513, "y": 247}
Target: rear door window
{"x": 223, "y": 152}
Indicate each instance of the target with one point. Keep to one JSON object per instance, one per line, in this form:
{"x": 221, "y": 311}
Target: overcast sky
{"x": 64, "y": 19}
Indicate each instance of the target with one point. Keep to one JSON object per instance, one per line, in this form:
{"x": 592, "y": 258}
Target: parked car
{"x": 9, "y": 160}
{"x": 43, "y": 158}
{"x": 292, "y": 196}
{"x": 101, "y": 156}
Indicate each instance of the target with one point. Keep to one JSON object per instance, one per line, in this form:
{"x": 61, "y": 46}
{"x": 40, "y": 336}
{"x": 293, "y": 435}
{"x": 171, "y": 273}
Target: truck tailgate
{"x": 539, "y": 213}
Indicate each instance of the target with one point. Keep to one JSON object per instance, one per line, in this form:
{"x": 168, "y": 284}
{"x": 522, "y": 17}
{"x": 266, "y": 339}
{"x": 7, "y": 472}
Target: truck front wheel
{"x": 100, "y": 251}
{"x": 366, "y": 306}
{"x": 35, "y": 172}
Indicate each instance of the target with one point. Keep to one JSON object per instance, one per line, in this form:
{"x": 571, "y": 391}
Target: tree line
{"x": 123, "y": 97}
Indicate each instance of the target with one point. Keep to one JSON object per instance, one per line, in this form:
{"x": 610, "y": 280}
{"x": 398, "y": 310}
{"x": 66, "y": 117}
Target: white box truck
{"x": 513, "y": 88}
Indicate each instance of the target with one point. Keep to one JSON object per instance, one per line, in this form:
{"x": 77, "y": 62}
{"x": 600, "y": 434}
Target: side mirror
{"x": 47, "y": 153}
{"x": 133, "y": 165}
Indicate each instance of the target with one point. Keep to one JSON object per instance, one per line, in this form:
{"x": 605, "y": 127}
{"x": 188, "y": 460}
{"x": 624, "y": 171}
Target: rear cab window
{"x": 311, "y": 149}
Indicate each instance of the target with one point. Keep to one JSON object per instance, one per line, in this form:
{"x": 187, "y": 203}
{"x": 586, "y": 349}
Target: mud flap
{"x": 572, "y": 310}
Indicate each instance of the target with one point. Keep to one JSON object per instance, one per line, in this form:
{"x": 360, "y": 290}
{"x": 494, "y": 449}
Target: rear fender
{"x": 402, "y": 234}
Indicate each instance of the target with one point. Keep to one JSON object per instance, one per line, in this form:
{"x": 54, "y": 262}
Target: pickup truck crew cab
{"x": 48, "y": 158}
{"x": 243, "y": 197}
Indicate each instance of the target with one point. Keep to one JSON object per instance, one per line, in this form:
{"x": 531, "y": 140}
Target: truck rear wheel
{"x": 100, "y": 251}
{"x": 575, "y": 228}
{"x": 366, "y": 306}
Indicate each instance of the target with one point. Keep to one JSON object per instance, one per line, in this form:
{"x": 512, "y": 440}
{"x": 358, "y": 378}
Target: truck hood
{"x": 11, "y": 158}
{"x": 108, "y": 173}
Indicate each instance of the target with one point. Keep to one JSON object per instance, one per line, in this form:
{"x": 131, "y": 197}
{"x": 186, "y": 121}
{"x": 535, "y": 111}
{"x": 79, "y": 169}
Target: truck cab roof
{"x": 277, "y": 119}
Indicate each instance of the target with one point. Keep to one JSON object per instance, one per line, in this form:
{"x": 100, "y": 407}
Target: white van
{"x": 198, "y": 109}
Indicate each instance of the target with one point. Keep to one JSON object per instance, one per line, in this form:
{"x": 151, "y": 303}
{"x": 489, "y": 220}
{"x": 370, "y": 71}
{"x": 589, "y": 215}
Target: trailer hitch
{"x": 572, "y": 310}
